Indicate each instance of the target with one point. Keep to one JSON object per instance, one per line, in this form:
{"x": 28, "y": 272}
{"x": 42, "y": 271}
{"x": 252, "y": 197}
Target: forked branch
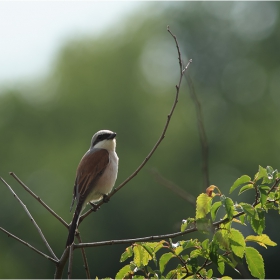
{"x": 182, "y": 71}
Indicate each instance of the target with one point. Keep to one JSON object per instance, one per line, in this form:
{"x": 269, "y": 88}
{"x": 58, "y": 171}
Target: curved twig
{"x": 28, "y": 245}
{"x": 31, "y": 218}
{"x": 84, "y": 257}
{"x": 70, "y": 263}
{"x": 182, "y": 71}
{"x": 201, "y": 131}
{"x": 38, "y": 199}
{"x": 133, "y": 240}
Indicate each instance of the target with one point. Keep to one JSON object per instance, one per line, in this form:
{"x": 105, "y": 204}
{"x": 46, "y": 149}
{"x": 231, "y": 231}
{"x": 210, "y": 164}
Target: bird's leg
{"x": 94, "y": 206}
{"x": 106, "y": 198}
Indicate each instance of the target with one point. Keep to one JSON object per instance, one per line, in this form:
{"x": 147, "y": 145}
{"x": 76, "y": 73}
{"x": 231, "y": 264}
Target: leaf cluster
{"x": 224, "y": 245}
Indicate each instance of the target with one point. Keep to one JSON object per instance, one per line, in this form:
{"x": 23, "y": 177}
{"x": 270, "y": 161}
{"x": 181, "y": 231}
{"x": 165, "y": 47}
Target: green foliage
{"x": 99, "y": 82}
{"x": 224, "y": 245}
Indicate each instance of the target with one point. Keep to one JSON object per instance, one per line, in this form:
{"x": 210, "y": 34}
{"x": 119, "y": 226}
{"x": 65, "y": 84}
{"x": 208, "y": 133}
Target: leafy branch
{"x": 68, "y": 252}
{"x": 224, "y": 244}
{"x": 216, "y": 215}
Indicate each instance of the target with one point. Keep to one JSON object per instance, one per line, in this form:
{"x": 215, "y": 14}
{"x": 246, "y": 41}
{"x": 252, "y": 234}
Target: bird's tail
{"x": 73, "y": 226}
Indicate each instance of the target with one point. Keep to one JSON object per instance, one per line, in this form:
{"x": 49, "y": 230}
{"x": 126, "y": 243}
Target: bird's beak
{"x": 112, "y": 136}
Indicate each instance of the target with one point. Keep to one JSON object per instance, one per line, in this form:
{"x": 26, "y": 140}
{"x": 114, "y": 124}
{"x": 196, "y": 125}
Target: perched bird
{"x": 96, "y": 175}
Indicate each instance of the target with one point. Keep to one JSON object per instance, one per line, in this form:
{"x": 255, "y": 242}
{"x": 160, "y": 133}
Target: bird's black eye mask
{"x": 103, "y": 136}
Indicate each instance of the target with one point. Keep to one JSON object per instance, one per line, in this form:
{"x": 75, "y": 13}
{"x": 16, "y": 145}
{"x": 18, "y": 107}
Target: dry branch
{"x": 183, "y": 69}
{"x": 38, "y": 199}
{"x": 31, "y": 218}
{"x": 29, "y": 246}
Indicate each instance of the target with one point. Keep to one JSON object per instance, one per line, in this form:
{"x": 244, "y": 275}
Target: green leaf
{"x": 228, "y": 261}
{"x": 222, "y": 238}
{"x": 124, "y": 272}
{"x": 209, "y": 274}
{"x": 214, "y": 209}
{"x": 248, "y": 209}
{"x": 186, "y": 222}
{"x": 271, "y": 175}
{"x": 141, "y": 256}
{"x": 203, "y": 225}
{"x": 244, "y": 179}
{"x": 195, "y": 253}
{"x": 178, "y": 273}
{"x": 205, "y": 244}
{"x": 193, "y": 265}
{"x": 189, "y": 243}
{"x": 229, "y": 206}
{"x": 255, "y": 262}
{"x": 179, "y": 250}
{"x": 261, "y": 174}
{"x": 258, "y": 224}
{"x": 158, "y": 245}
{"x": 269, "y": 171}
{"x": 237, "y": 242}
{"x": 262, "y": 240}
{"x": 246, "y": 188}
{"x": 213, "y": 252}
{"x": 151, "y": 248}
{"x": 128, "y": 253}
{"x": 221, "y": 266}
{"x": 263, "y": 191}
{"x": 164, "y": 259}
{"x": 203, "y": 205}
{"x": 242, "y": 219}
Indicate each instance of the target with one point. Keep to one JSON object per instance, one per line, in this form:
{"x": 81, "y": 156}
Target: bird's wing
{"x": 90, "y": 169}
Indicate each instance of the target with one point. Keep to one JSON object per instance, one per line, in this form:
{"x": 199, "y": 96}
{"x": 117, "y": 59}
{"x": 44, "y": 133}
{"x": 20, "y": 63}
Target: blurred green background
{"x": 124, "y": 80}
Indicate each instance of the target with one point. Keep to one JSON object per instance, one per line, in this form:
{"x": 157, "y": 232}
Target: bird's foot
{"x": 106, "y": 198}
{"x": 94, "y": 206}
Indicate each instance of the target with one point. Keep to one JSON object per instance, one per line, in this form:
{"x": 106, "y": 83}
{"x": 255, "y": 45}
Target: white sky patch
{"x": 32, "y": 32}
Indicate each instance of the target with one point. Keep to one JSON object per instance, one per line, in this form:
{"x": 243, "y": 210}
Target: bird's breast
{"x": 107, "y": 180}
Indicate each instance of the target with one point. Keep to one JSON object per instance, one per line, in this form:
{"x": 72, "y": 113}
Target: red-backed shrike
{"x": 96, "y": 175}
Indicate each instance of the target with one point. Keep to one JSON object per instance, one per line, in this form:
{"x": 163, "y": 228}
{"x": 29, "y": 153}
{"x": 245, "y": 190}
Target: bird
{"x": 95, "y": 176}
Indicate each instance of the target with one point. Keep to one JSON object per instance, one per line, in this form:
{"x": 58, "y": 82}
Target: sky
{"x": 31, "y": 32}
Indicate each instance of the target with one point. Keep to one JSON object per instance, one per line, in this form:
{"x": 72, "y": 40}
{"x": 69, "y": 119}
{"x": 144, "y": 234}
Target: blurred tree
{"x": 125, "y": 81}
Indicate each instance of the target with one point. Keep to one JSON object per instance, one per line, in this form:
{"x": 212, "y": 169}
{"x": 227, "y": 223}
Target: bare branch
{"x": 84, "y": 257}
{"x": 70, "y": 264}
{"x": 31, "y": 218}
{"x": 133, "y": 240}
{"x": 38, "y": 199}
{"x": 61, "y": 264}
{"x": 201, "y": 131}
{"x": 182, "y": 71}
{"x": 28, "y": 245}
{"x": 173, "y": 187}
{"x": 178, "y": 50}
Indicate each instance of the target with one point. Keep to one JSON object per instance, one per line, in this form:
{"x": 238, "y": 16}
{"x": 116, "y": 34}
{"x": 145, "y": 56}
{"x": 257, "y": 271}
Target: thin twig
{"x": 182, "y": 71}
{"x": 63, "y": 260}
{"x": 31, "y": 218}
{"x": 28, "y": 245}
{"x": 173, "y": 187}
{"x": 201, "y": 131}
{"x": 150, "y": 238}
{"x": 38, "y": 199}
{"x": 60, "y": 266}
{"x": 70, "y": 263}
{"x": 179, "y": 53}
{"x": 84, "y": 257}
{"x": 133, "y": 240}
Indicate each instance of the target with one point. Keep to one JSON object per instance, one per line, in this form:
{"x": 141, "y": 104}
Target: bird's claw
{"x": 94, "y": 206}
{"x": 106, "y": 198}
